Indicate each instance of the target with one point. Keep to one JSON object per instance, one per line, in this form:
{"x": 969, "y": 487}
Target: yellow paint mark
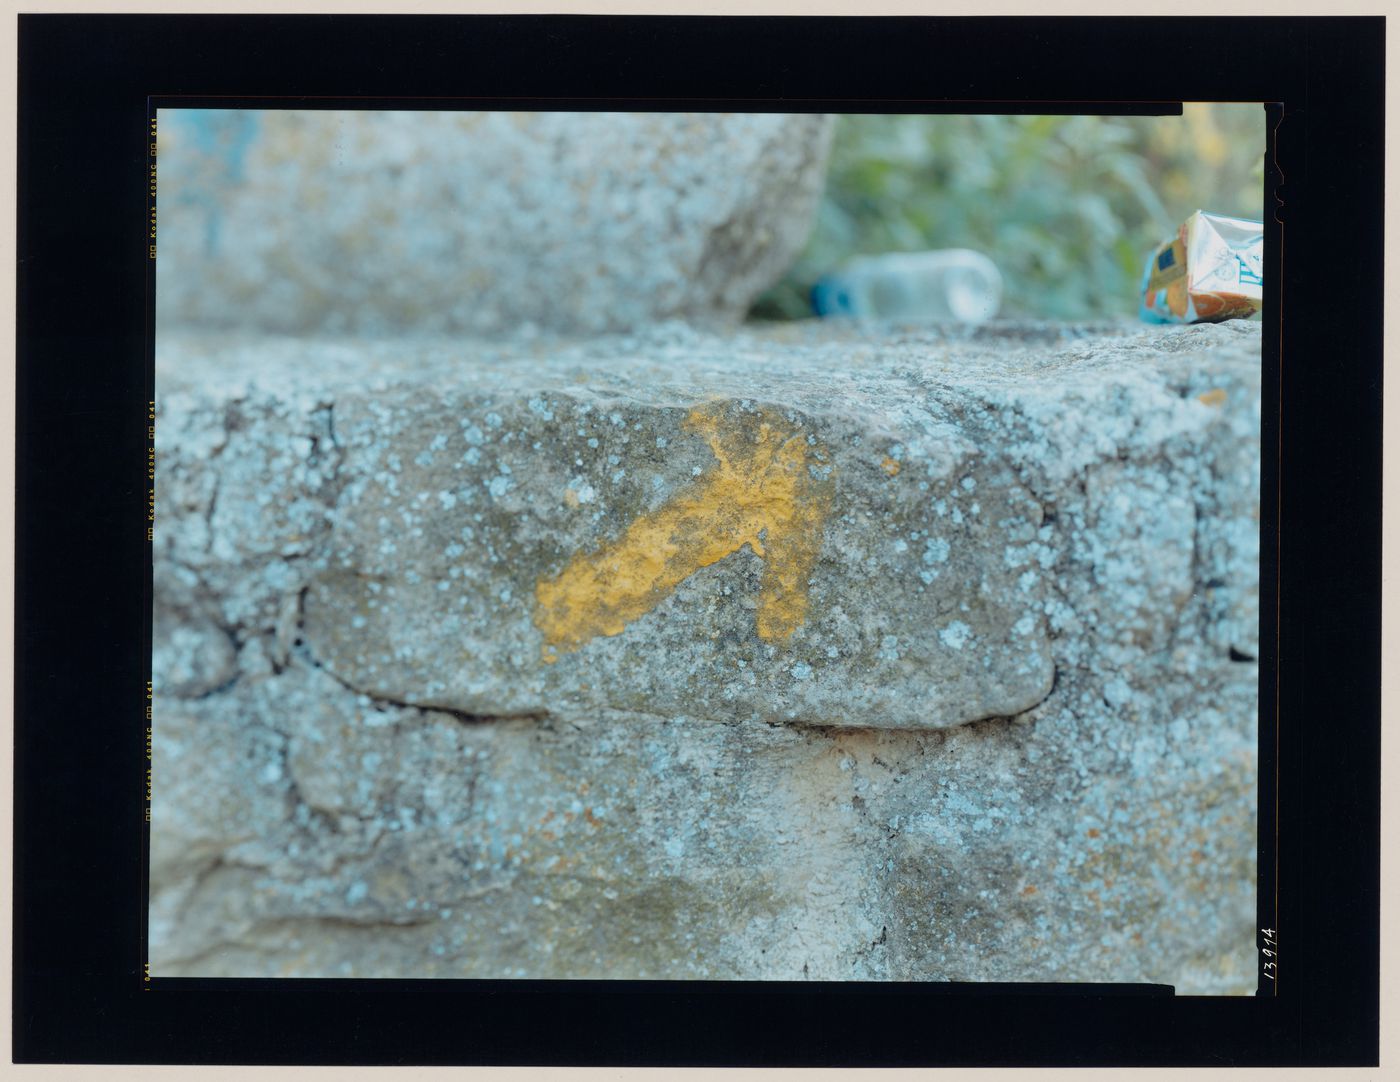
{"x": 1213, "y": 398}
{"x": 760, "y": 492}
{"x": 890, "y": 466}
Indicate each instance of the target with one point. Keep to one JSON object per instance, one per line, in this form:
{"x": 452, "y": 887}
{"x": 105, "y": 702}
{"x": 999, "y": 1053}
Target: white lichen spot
{"x": 956, "y": 635}
{"x": 935, "y": 551}
{"x": 1117, "y": 692}
{"x": 900, "y": 545}
{"x": 540, "y": 408}
{"x": 801, "y": 671}
{"x": 447, "y": 500}
{"x": 1016, "y": 556}
{"x": 499, "y": 486}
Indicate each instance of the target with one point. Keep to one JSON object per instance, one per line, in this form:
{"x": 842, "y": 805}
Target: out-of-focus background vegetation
{"x": 1068, "y": 207}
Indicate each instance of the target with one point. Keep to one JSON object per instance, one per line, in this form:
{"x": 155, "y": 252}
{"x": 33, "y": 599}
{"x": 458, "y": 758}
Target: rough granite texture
{"x": 809, "y": 652}
{"x": 370, "y": 222}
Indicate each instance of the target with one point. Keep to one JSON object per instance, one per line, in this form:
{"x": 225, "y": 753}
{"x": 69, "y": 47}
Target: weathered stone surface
{"x": 362, "y": 222}
{"x": 468, "y": 512}
{"x": 395, "y": 781}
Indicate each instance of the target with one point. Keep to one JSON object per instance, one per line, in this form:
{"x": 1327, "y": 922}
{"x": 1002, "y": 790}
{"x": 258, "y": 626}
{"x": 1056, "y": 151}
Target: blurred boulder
{"x": 480, "y": 222}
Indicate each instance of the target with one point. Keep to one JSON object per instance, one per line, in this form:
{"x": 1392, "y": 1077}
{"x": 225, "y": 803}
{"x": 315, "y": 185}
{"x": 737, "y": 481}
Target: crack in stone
{"x": 218, "y": 689}
{"x": 466, "y": 718}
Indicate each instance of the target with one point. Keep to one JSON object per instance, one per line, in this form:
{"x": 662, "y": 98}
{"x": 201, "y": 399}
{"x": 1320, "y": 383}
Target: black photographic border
{"x": 84, "y": 382}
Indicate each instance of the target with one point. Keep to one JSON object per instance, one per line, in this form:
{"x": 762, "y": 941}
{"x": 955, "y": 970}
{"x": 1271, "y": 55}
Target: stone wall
{"x": 801, "y": 653}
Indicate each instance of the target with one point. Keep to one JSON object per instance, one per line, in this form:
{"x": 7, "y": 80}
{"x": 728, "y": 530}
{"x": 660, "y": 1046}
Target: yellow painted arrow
{"x": 760, "y": 492}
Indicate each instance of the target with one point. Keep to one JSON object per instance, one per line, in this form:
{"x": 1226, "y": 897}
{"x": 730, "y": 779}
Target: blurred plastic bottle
{"x": 953, "y": 285}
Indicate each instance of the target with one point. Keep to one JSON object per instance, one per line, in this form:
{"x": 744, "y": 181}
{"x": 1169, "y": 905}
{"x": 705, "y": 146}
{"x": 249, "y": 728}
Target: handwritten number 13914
{"x": 1270, "y": 950}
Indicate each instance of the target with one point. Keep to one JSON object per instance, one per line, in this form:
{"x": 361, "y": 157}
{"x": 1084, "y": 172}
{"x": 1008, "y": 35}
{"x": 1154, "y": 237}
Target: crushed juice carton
{"x": 1212, "y": 270}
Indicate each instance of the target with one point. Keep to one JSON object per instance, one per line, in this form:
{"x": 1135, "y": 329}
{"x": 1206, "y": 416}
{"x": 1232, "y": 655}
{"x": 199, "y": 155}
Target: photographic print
{"x": 707, "y": 546}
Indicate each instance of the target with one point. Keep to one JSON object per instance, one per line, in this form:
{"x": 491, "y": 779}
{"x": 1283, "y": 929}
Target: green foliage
{"x": 1067, "y": 206}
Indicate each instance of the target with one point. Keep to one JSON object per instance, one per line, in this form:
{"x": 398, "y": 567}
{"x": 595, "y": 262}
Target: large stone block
{"x": 531, "y": 542}
{"x": 371, "y": 222}
{"x": 803, "y": 652}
